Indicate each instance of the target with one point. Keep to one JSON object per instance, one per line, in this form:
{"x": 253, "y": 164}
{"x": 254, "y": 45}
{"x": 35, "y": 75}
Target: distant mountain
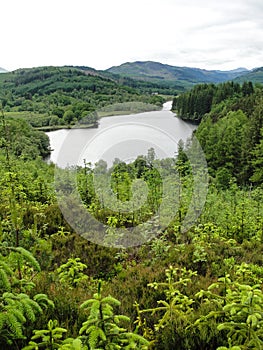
{"x": 157, "y": 72}
{"x": 256, "y": 76}
{"x": 239, "y": 70}
{"x": 2, "y": 70}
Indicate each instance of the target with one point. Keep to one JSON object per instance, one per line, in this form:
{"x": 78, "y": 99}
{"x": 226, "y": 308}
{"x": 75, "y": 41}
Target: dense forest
{"x": 55, "y": 97}
{"x": 197, "y": 287}
{"x": 230, "y": 131}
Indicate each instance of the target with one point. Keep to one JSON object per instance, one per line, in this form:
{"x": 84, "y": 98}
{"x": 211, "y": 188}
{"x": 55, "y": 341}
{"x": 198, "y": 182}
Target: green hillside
{"x": 256, "y": 76}
{"x": 230, "y": 130}
{"x": 55, "y": 97}
{"x": 59, "y": 96}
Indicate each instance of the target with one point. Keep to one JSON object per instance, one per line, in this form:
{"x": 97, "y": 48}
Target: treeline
{"x": 193, "y": 105}
{"x": 230, "y": 131}
{"x": 51, "y": 96}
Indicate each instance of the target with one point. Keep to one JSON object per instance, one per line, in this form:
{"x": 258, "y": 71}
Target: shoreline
{"x": 109, "y": 114}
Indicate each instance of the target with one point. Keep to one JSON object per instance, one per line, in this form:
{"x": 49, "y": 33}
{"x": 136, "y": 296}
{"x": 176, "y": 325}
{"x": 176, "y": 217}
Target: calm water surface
{"x": 124, "y": 137}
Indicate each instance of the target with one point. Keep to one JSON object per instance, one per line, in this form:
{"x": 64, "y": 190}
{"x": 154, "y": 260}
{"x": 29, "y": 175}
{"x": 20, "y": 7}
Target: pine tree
{"x": 104, "y": 329}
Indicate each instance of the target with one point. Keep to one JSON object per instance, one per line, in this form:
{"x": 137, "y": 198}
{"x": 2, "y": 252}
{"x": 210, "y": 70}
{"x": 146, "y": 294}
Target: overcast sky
{"x": 210, "y": 34}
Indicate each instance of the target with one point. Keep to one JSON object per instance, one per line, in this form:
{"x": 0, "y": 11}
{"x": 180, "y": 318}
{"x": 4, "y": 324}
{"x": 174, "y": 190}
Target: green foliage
{"x": 227, "y": 135}
{"x": 73, "y": 344}
{"x": 229, "y": 214}
{"x": 103, "y": 328}
{"x": 71, "y": 272}
{"x": 203, "y": 98}
{"x": 257, "y": 161}
{"x": 230, "y": 135}
{"x": 231, "y": 348}
{"x": 238, "y": 311}
{"x": 5, "y": 273}
{"x": 173, "y": 312}
{"x": 22, "y": 140}
{"x": 50, "y": 97}
{"x": 194, "y": 104}
{"x": 49, "y": 338}
{"x": 15, "y": 310}
{"x": 120, "y": 188}
{"x": 244, "y": 312}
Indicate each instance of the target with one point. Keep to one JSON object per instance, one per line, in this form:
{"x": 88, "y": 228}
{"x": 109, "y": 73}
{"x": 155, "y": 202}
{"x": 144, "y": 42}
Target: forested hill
{"x": 182, "y": 76}
{"x": 256, "y": 76}
{"x": 203, "y": 98}
{"x": 231, "y": 128}
{"x": 61, "y": 96}
{"x": 55, "y": 97}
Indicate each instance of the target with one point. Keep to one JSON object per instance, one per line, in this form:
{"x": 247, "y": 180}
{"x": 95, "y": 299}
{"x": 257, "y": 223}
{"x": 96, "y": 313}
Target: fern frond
{"x": 4, "y": 280}
{"x": 16, "y": 310}
{"x": 86, "y": 328}
{"x": 2, "y": 320}
{"x": 86, "y": 304}
{"x": 9, "y": 298}
{"x": 28, "y": 309}
{"x": 43, "y": 301}
{"x": 18, "y": 314}
{"x": 93, "y": 337}
{"x": 14, "y": 325}
{"x": 119, "y": 318}
{"x": 110, "y": 300}
{"x": 138, "y": 339}
{"x": 29, "y": 257}
{"x": 4, "y": 265}
{"x": 95, "y": 333}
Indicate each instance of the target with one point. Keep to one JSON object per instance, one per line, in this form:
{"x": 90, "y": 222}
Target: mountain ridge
{"x": 177, "y": 78}
{"x": 154, "y": 71}
{"x": 255, "y": 75}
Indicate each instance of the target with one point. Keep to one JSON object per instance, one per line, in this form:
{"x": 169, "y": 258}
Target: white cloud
{"x": 208, "y": 34}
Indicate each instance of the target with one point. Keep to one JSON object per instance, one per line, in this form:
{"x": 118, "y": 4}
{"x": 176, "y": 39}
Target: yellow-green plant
{"x": 177, "y": 305}
{"x": 48, "y": 339}
{"x": 238, "y": 311}
{"x": 71, "y": 272}
{"x": 104, "y": 329}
